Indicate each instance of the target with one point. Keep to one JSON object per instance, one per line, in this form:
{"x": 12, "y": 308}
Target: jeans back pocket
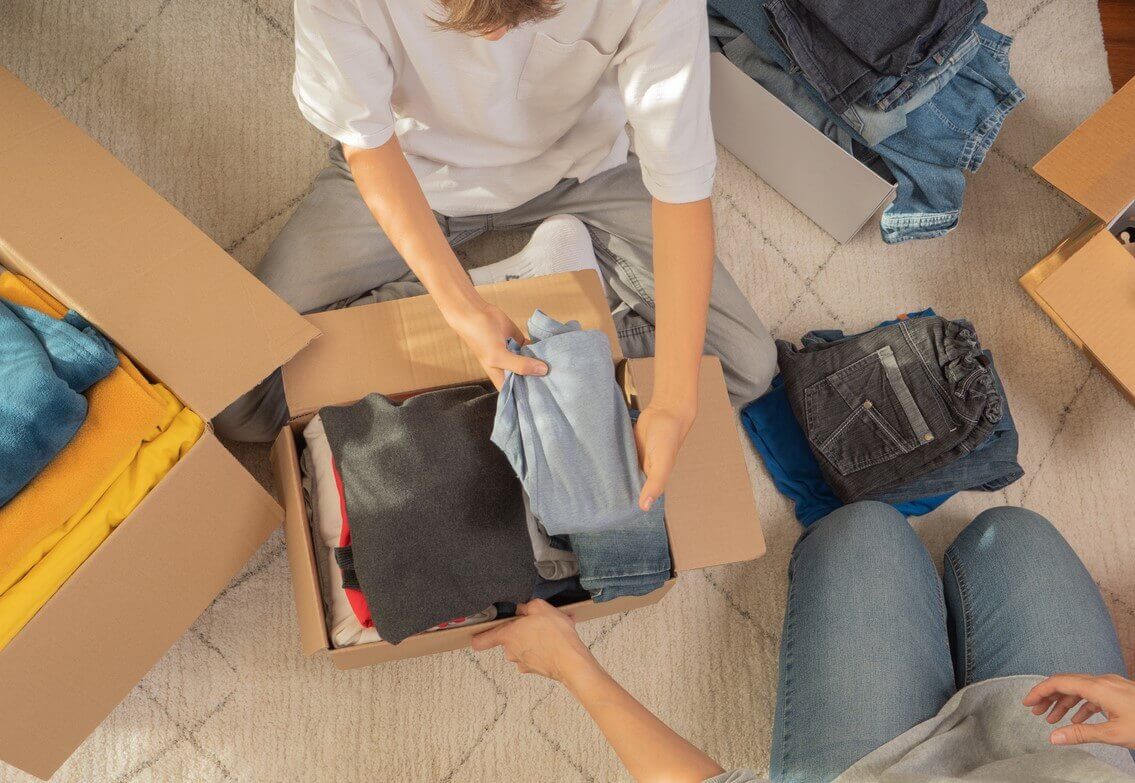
{"x": 864, "y": 414}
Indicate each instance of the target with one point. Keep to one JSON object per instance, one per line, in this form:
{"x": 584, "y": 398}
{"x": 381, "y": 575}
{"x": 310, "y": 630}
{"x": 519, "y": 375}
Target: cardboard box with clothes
{"x": 711, "y": 516}
{"x": 193, "y": 331}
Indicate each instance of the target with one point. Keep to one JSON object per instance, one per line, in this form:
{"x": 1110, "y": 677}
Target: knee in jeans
{"x": 864, "y": 529}
{"x": 1008, "y": 533}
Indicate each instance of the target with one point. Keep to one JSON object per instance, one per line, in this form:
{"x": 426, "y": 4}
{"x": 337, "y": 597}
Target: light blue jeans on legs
{"x": 874, "y": 644}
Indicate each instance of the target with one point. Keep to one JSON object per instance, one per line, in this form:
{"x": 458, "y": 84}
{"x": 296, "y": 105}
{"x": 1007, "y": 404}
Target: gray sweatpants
{"x": 332, "y": 253}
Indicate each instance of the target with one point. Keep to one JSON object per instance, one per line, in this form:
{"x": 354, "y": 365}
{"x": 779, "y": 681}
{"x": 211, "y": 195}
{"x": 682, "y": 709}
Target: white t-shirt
{"x": 488, "y": 125}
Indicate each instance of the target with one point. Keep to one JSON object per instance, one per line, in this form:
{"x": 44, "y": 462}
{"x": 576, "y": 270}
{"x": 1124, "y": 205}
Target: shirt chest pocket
{"x": 560, "y": 74}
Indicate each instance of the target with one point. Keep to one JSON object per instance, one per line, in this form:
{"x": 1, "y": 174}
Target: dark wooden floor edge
{"x": 1118, "y": 19}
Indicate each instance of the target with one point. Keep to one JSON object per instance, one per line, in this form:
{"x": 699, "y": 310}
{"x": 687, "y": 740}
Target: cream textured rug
{"x": 194, "y": 95}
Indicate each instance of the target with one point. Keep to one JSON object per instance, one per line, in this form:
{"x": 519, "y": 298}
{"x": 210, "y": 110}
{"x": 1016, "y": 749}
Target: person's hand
{"x": 1110, "y": 694}
{"x": 658, "y": 434}
{"x": 486, "y": 330}
{"x": 541, "y": 640}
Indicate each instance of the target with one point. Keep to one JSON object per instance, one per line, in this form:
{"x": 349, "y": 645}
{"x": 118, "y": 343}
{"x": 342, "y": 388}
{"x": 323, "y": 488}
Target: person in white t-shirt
{"x": 457, "y": 117}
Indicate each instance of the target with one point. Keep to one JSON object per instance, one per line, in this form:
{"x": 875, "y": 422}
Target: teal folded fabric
{"x": 45, "y": 366}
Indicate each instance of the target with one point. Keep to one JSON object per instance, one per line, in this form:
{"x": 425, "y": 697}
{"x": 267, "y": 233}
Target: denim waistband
{"x": 838, "y": 71}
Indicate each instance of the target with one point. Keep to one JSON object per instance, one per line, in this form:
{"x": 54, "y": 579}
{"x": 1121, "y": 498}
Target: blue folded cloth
{"x": 783, "y": 447}
{"x": 45, "y": 366}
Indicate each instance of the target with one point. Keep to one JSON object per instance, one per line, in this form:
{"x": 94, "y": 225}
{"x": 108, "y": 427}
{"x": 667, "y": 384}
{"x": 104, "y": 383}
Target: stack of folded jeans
{"x": 919, "y": 89}
{"x": 568, "y": 435}
{"x": 907, "y": 413}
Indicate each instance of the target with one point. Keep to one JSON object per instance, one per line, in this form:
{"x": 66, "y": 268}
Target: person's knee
{"x": 863, "y": 531}
{"x": 1009, "y": 534}
{"x": 750, "y": 371}
{"x": 256, "y": 416}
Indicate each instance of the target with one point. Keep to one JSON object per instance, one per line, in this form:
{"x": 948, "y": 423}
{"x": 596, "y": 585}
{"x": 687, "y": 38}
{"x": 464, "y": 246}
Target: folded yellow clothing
{"x": 55, "y": 558}
{"x": 123, "y": 410}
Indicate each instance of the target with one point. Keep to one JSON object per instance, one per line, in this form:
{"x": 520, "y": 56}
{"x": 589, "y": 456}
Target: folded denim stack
{"x": 569, "y": 437}
{"x": 916, "y": 90}
{"x": 84, "y": 437}
{"x": 907, "y": 413}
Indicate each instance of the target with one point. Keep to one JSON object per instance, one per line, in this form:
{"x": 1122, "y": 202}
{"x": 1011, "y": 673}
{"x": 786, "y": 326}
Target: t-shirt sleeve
{"x": 343, "y": 80}
{"x": 663, "y": 74}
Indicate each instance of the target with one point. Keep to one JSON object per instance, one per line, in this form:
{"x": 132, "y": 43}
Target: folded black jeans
{"x": 885, "y": 407}
{"x": 848, "y": 48}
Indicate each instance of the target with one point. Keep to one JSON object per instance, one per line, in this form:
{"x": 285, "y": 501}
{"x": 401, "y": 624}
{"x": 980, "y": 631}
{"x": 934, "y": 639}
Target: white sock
{"x": 560, "y": 244}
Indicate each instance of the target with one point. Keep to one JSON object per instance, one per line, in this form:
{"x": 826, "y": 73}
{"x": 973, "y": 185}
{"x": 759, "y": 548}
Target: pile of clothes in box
{"x": 84, "y": 436}
{"x": 907, "y": 413}
{"x": 452, "y": 506}
{"x": 915, "y": 89}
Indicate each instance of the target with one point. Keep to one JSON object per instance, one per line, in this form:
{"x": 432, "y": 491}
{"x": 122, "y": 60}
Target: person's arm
{"x": 543, "y": 641}
{"x": 391, "y": 191}
{"x": 1110, "y": 694}
{"x": 663, "y": 75}
{"x": 683, "y": 275}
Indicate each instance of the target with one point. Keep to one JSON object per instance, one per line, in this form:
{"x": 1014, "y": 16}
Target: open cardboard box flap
{"x": 98, "y": 238}
{"x": 127, "y": 604}
{"x": 1094, "y": 165}
{"x": 1087, "y": 283}
{"x": 405, "y": 345}
{"x": 1091, "y": 296}
{"x": 711, "y": 513}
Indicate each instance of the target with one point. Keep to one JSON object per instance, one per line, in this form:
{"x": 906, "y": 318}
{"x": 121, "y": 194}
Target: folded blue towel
{"x": 45, "y": 366}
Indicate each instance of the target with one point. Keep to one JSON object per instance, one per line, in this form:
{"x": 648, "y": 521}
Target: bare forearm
{"x": 650, "y": 750}
{"x": 391, "y": 191}
{"x": 683, "y": 276}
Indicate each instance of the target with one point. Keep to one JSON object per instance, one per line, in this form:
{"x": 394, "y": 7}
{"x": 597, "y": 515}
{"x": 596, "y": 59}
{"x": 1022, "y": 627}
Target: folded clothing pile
{"x": 349, "y": 619}
{"x": 444, "y": 510}
{"x": 907, "y": 413}
{"x": 77, "y": 459}
{"x": 569, "y": 437}
{"x": 917, "y": 90}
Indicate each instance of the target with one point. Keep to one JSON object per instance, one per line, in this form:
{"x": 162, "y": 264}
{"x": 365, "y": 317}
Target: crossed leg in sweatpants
{"x": 332, "y": 253}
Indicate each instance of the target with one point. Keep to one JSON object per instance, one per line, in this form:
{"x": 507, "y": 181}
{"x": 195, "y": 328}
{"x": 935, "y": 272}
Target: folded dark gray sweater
{"x": 435, "y": 510}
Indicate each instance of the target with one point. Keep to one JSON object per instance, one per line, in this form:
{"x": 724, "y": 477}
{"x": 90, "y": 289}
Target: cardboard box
{"x": 1087, "y": 283}
{"x": 93, "y": 235}
{"x": 404, "y": 347}
{"x": 828, "y": 185}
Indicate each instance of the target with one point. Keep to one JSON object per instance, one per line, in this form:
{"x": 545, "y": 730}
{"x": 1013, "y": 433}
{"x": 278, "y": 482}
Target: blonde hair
{"x": 477, "y": 17}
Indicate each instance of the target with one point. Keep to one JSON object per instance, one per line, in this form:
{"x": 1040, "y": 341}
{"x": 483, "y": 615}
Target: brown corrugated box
{"x": 77, "y": 222}
{"x": 1087, "y": 283}
{"x": 403, "y": 347}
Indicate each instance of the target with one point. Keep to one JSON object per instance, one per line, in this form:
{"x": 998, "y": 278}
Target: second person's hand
{"x": 1110, "y": 694}
{"x": 486, "y": 330}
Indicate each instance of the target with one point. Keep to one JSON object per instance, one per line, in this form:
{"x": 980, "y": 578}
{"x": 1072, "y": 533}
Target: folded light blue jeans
{"x": 874, "y": 642}
{"x": 568, "y": 434}
{"x": 631, "y": 561}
